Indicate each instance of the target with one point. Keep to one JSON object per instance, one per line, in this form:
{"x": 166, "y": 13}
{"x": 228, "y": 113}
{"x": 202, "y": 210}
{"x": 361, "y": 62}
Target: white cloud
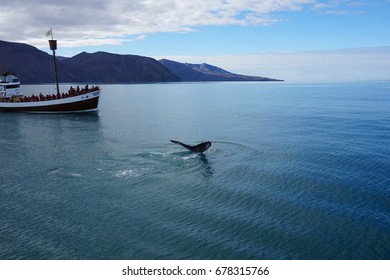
{"x": 338, "y": 7}
{"x": 360, "y": 64}
{"x": 99, "y": 21}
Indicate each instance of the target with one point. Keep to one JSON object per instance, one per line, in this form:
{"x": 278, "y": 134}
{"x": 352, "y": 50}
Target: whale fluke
{"x": 200, "y": 148}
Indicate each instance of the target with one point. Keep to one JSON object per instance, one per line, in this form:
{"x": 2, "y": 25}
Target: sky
{"x": 294, "y": 40}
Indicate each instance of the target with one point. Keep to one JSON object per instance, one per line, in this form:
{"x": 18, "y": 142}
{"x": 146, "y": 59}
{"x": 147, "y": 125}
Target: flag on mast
{"x": 49, "y": 33}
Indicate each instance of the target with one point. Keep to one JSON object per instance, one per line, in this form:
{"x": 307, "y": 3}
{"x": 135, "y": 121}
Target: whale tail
{"x": 200, "y": 148}
{"x": 182, "y": 144}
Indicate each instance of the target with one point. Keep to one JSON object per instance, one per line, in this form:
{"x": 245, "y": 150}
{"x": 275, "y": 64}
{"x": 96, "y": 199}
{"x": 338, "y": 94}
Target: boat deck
{"x": 83, "y": 100}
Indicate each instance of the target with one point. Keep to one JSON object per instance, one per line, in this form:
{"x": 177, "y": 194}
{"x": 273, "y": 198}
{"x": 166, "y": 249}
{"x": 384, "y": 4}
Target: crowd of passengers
{"x": 71, "y": 92}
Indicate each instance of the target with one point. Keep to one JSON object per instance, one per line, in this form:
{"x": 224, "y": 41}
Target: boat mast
{"x": 53, "y": 47}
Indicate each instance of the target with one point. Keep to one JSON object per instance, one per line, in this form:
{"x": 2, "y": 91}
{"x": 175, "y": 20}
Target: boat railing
{"x": 72, "y": 92}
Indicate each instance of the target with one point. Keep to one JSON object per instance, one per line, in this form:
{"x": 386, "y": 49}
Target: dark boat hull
{"x": 85, "y": 102}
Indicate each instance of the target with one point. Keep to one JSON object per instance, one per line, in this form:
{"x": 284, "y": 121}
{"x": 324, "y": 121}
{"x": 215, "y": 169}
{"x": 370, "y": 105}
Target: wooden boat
{"x": 75, "y": 100}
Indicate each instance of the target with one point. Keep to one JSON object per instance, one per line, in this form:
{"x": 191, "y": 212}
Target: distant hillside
{"x": 105, "y": 67}
{"x": 206, "y": 72}
{"x": 31, "y": 64}
{"x": 35, "y": 66}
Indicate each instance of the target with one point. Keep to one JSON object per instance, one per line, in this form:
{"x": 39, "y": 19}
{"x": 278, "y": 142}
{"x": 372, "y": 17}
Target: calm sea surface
{"x": 295, "y": 171}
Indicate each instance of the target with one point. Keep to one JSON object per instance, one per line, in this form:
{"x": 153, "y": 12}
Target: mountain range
{"x": 205, "y": 72}
{"x": 35, "y": 66}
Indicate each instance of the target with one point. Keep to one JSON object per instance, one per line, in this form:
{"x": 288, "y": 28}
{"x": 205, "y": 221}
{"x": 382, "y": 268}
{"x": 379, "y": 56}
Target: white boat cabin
{"x": 9, "y": 85}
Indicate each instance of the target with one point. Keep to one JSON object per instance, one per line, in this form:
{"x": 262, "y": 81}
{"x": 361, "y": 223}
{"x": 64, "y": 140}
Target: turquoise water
{"x": 295, "y": 171}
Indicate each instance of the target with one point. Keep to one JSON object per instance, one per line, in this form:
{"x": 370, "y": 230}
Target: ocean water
{"x": 295, "y": 171}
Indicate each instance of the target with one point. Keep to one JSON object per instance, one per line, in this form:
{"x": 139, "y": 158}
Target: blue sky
{"x": 299, "y": 31}
{"x": 246, "y": 36}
